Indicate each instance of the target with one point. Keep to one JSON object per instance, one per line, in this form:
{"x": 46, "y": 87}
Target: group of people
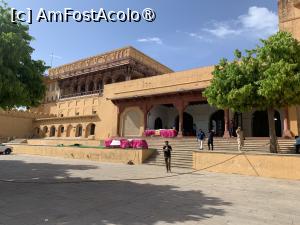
{"x": 210, "y": 141}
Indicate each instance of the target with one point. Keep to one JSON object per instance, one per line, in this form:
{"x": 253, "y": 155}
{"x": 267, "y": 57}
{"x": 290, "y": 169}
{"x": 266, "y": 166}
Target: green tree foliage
{"x": 265, "y": 78}
{"x": 21, "y": 77}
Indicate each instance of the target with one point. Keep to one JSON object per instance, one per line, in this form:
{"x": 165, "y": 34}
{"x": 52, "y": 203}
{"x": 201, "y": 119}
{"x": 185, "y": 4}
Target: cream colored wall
{"x": 19, "y": 127}
{"x": 137, "y": 156}
{"x": 263, "y": 165}
{"x": 167, "y": 83}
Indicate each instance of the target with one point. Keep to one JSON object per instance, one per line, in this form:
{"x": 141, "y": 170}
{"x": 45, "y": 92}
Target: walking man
{"x": 167, "y": 154}
{"x": 240, "y": 138}
{"x": 200, "y": 138}
{"x": 210, "y": 140}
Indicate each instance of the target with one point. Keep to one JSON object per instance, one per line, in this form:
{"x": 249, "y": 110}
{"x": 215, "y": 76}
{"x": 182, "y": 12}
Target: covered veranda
{"x": 163, "y": 111}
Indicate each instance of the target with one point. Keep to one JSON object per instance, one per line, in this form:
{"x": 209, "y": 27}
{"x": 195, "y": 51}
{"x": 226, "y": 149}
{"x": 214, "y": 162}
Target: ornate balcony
{"x": 96, "y": 92}
{"x": 297, "y": 3}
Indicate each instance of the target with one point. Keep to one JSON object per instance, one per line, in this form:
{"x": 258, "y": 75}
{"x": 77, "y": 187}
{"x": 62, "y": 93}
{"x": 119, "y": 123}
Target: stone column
{"x": 180, "y": 108}
{"x": 286, "y": 124}
{"x": 119, "y": 112}
{"x": 226, "y": 121}
{"x": 145, "y": 108}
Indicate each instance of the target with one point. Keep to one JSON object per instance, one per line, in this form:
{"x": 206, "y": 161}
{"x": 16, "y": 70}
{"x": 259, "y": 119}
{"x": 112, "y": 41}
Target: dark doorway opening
{"x": 217, "y": 123}
{"x": 158, "y": 124}
{"x": 260, "y": 124}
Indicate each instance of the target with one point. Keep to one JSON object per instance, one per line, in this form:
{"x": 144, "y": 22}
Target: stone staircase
{"x": 183, "y": 148}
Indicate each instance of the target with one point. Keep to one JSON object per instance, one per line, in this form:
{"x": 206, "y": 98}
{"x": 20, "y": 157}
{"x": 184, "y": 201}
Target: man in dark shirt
{"x": 167, "y": 154}
{"x": 210, "y": 140}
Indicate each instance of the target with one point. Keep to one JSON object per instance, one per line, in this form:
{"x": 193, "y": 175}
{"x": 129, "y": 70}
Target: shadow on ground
{"x": 95, "y": 203}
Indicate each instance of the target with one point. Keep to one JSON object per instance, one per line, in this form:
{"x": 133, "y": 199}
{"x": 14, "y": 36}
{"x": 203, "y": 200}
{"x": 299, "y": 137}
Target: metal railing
{"x": 100, "y": 92}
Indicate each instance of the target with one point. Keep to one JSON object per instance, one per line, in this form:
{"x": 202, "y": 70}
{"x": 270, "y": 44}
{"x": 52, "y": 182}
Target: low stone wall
{"x": 251, "y": 164}
{"x": 138, "y": 156}
{"x": 64, "y": 141}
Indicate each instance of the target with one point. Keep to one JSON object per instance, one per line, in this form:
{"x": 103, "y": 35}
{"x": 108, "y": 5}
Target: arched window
{"x": 82, "y": 88}
{"x": 90, "y": 130}
{"x": 45, "y": 130}
{"x": 78, "y": 131}
{"x": 52, "y": 131}
{"x": 69, "y": 131}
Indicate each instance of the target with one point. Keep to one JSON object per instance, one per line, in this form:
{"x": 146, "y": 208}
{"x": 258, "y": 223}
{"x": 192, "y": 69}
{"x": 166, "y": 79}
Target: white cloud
{"x": 155, "y": 40}
{"x": 222, "y": 30}
{"x": 259, "y": 22}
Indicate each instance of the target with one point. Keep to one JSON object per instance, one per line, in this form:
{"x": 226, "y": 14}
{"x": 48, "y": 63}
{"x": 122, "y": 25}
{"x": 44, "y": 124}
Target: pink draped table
{"x": 125, "y": 143}
{"x": 166, "y": 133}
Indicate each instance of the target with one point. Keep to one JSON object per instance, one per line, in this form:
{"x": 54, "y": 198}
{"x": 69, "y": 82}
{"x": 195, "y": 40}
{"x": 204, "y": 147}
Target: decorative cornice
{"x": 25, "y": 114}
{"x": 107, "y": 60}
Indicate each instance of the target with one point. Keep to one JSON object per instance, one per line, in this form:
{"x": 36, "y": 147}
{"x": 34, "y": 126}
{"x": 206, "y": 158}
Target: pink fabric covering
{"x": 139, "y": 144}
{"x": 149, "y": 133}
{"x": 168, "y": 133}
{"x": 125, "y": 143}
{"x": 107, "y": 143}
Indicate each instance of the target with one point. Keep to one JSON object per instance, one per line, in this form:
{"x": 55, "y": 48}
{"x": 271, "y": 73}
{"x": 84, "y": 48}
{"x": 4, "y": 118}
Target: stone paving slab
{"x": 104, "y": 194}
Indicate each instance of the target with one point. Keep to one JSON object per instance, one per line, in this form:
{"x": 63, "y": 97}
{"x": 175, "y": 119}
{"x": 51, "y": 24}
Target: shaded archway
{"x": 158, "y": 124}
{"x": 52, "y": 131}
{"x": 162, "y": 117}
{"x": 78, "y": 132}
{"x": 60, "y": 131}
{"x": 69, "y": 131}
{"x": 132, "y": 122}
{"x": 90, "y": 130}
{"x": 260, "y": 124}
{"x": 82, "y": 88}
{"x": 45, "y": 131}
{"x": 217, "y": 123}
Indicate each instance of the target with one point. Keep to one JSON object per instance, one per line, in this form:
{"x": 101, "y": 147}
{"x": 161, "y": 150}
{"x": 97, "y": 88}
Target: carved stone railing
{"x": 100, "y": 92}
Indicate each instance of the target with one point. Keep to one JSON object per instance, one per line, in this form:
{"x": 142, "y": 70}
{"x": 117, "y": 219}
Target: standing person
{"x": 200, "y": 138}
{"x": 167, "y": 154}
{"x": 240, "y": 138}
{"x": 210, "y": 140}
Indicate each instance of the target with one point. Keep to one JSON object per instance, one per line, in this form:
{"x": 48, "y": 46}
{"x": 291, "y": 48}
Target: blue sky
{"x": 186, "y": 33}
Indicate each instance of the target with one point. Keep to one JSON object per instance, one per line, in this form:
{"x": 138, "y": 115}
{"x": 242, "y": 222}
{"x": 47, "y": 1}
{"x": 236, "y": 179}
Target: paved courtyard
{"x": 42, "y": 190}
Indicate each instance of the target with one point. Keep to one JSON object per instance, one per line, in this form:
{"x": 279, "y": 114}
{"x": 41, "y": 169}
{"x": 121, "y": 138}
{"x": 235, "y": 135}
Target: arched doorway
{"x": 90, "y": 130}
{"x": 61, "y": 130}
{"x": 260, "y": 124}
{"x": 188, "y": 124}
{"x": 132, "y": 122}
{"x": 78, "y": 130}
{"x": 45, "y": 131}
{"x": 158, "y": 124}
{"x": 69, "y": 131}
{"x": 162, "y": 117}
{"x": 217, "y": 123}
{"x": 52, "y": 131}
